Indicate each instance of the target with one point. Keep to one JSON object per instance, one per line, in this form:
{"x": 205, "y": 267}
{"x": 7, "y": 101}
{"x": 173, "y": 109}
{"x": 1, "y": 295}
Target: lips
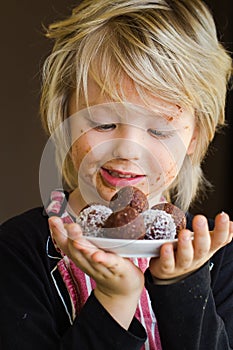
{"x": 117, "y": 178}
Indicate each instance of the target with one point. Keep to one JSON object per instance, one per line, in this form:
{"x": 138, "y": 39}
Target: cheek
{"x": 167, "y": 159}
{"x": 166, "y": 154}
{"x": 175, "y": 153}
{"x": 79, "y": 150}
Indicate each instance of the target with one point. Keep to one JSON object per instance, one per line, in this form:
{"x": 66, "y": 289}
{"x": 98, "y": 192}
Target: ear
{"x": 193, "y": 142}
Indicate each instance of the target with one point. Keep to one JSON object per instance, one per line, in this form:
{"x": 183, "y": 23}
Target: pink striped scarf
{"x": 80, "y": 285}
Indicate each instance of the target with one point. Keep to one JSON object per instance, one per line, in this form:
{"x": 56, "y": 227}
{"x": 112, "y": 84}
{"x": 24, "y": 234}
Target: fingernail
{"x": 168, "y": 250}
{"x": 56, "y": 223}
{"x": 54, "y": 219}
{"x": 201, "y": 222}
{"x": 187, "y": 237}
{"x": 224, "y": 216}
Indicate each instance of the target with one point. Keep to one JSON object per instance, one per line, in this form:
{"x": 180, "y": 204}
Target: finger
{"x": 113, "y": 262}
{"x": 167, "y": 260}
{"x": 99, "y": 265}
{"x": 80, "y": 251}
{"x": 185, "y": 253}
{"x": 77, "y": 241}
{"x": 231, "y": 226}
{"x": 66, "y": 238}
{"x": 80, "y": 248}
{"x": 221, "y": 233}
{"x": 107, "y": 259}
{"x": 202, "y": 239}
{"x": 231, "y": 230}
{"x": 58, "y": 231}
{"x": 74, "y": 231}
{"x": 70, "y": 240}
{"x": 89, "y": 256}
{"x": 108, "y": 264}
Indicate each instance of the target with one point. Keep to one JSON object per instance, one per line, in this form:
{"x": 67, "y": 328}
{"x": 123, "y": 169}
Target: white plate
{"x": 131, "y": 248}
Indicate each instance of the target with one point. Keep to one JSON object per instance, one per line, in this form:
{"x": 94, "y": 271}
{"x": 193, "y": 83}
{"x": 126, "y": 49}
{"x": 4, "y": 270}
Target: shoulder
{"x": 27, "y": 227}
{"x": 33, "y": 217}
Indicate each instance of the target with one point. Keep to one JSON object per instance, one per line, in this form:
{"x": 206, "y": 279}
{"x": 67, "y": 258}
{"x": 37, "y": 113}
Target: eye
{"x": 161, "y": 134}
{"x": 105, "y": 127}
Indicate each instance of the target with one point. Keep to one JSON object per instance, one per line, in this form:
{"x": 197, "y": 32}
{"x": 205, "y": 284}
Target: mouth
{"x": 118, "y": 178}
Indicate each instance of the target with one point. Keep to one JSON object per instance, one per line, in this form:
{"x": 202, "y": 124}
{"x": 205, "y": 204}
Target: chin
{"x": 106, "y": 193}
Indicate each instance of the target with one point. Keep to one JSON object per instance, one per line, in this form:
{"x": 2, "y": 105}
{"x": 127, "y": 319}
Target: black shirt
{"x": 195, "y": 313}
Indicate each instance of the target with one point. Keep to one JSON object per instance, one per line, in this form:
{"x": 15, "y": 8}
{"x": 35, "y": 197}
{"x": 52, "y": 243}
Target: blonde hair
{"x": 167, "y": 48}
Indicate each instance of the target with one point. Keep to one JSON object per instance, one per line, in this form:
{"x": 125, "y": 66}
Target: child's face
{"x": 120, "y": 144}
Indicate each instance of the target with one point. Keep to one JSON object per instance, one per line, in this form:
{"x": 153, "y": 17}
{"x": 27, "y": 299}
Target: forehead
{"x": 128, "y": 92}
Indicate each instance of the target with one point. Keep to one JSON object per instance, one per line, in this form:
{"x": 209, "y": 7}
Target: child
{"x": 133, "y": 93}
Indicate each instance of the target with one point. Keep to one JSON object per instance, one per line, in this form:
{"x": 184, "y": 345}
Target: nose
{"x": 128, "y": 143}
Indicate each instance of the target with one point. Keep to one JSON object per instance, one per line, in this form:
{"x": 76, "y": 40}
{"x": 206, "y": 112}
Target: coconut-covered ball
{"x": 177, "y": 214}
{"x": 92, "y": 218}
{"x": 129, "y": 196}
{"x": 159, "y": 224}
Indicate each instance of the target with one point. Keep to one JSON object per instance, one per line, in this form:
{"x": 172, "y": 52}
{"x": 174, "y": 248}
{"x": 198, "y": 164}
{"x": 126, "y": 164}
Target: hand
{"x": 119, "y": 282}
{"x": 194, "y": 249}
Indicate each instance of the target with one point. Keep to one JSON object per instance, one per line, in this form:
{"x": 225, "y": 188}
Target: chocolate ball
{"x": 129, "y": 196}
{"x": 124, "y": 224}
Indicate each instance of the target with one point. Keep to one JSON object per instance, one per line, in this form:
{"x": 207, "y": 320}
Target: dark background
{"x": 23, "y": 50}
